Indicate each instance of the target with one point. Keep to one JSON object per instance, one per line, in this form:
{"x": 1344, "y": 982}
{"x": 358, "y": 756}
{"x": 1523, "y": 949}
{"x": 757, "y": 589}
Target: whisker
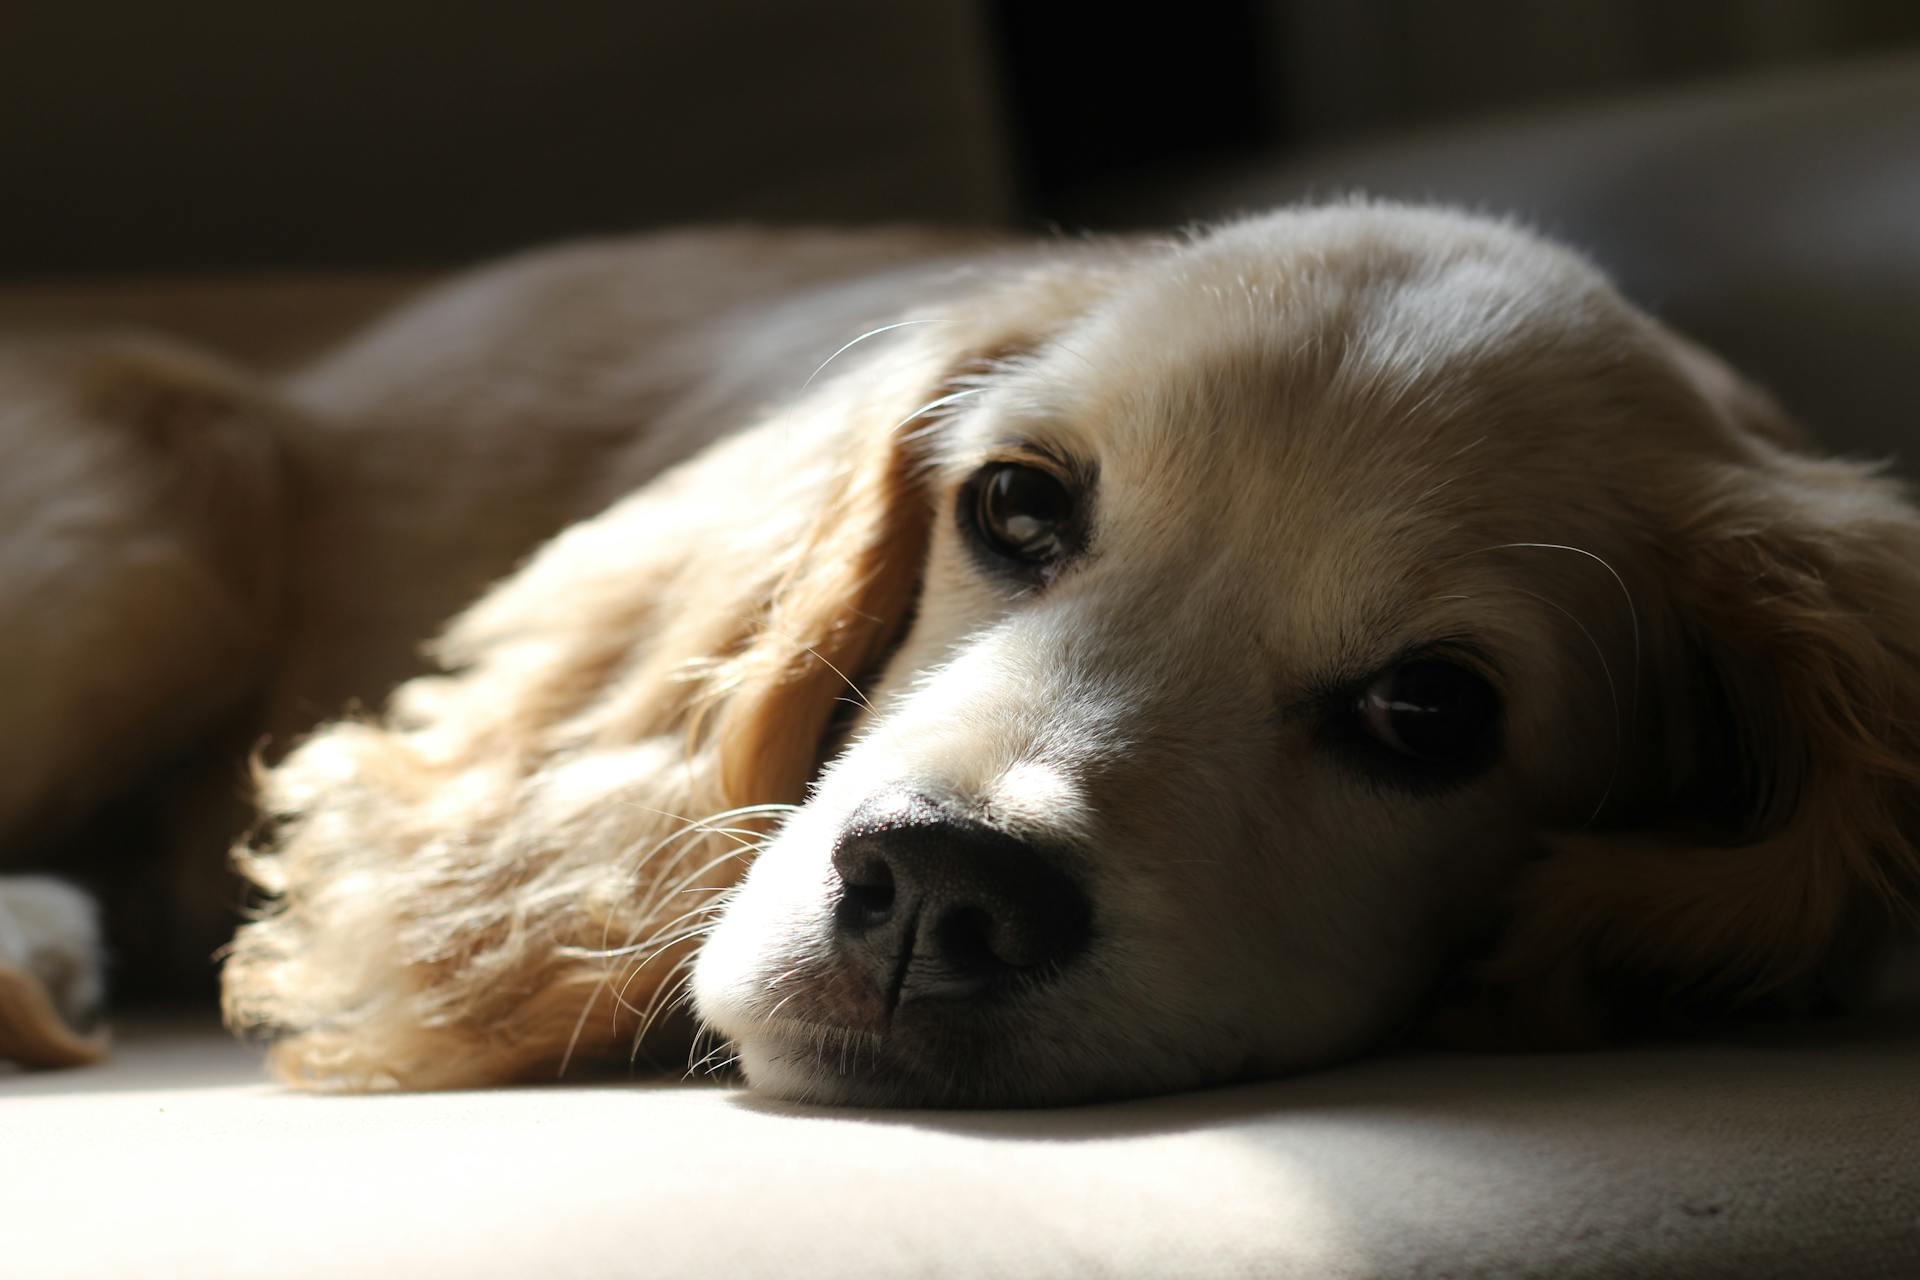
{"x": 717, "y": 1050}
{"x": 662, "y": 937}
{"x": 940, "y": 402}
{"x": 579, "y": 1024}
{"x": 1633, "y": 614}
{"x": 775, "y": 1011}
{"x": 700, "y": 1035}
{"x": 1632, "y": 718}
{"x": 609, "y": 953}
{"x": 667, "y": 889}
{"x": 703, "y": 909}
{"x": 632, "y": 948}
{"x": 1613, "y": 692}
{"x": 684, "y": 999}
{"x": 845, "y": 679}
{"x": 680, "y": 984}
{"x": 666, "y": 945}
{"x": 701, "y": 824}
{"x": 871, "y": 333}
{"x": 671, "y": 878}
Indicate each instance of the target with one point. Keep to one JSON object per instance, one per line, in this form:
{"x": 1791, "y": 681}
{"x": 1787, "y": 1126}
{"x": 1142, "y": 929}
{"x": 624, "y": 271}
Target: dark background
{"x": 232, "y": 134}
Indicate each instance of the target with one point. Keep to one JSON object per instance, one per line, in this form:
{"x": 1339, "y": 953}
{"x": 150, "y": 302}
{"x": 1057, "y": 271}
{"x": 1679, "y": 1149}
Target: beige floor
{"x": 1768, "y": 1156}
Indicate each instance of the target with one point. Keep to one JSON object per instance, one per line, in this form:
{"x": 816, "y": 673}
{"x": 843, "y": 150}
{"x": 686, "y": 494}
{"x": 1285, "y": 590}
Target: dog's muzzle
{"x": 935, "y": 907}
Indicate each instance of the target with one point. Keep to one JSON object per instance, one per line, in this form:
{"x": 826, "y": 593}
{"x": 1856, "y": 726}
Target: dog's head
{"x": 1194, "y": 660}
{"x": 1253, "y": 630}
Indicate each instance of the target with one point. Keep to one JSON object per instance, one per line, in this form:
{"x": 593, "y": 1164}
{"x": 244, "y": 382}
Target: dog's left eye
{"x": 1434, "y": 712}
{"x": 1021, "y": 512}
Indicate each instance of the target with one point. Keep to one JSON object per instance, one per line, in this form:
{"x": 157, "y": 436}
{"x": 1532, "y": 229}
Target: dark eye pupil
{"x": 1024, "y": 512}
{"x": 1432, "y": 710}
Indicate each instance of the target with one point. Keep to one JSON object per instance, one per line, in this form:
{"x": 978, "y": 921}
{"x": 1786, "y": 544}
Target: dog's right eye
{"x": 1434, "y": 713}
{"x": 1425, "y": 721}
{"x": 1019, "y": 512}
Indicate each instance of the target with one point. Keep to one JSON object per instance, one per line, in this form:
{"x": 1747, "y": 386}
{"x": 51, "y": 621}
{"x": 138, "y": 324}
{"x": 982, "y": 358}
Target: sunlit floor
{"x": 1773, "y": 1155}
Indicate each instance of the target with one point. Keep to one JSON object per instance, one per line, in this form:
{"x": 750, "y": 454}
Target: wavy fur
{"x": 1314, "y": 441}
{"x": 496, "y": 876}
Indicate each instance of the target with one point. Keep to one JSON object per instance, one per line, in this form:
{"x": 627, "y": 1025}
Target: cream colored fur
{"x": 1321, "y": 437}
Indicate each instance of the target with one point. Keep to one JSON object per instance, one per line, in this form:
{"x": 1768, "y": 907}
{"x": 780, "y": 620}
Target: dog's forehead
{"x": 1341, "y": 336}
{"x": 1333, "y": 424}
{"x": 1339, "y": 328}
{"x": 1302, "y": 349}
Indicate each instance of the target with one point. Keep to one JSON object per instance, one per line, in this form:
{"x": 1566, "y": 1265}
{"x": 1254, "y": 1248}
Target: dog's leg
{"x": 138, "y": 540}
{"x": 139, "y": 535}
{"x": 52, "y": 979}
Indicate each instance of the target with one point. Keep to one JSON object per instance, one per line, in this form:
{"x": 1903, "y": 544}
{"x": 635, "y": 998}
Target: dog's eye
{"x": 1434, "y": 711}
{"x": 1022, "y": 513}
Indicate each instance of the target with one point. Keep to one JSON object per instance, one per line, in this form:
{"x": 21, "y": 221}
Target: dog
{"x": 979, "y": 673}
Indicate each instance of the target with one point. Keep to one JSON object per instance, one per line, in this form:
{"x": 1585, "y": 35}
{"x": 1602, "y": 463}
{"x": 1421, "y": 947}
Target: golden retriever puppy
{"x": 1132, "y": 665}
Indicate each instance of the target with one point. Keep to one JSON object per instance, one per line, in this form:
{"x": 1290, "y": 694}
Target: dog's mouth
{"x": 894, "y": 1029}
{"x": 925, "y": 1059}
{"x": 821, "y": 1062}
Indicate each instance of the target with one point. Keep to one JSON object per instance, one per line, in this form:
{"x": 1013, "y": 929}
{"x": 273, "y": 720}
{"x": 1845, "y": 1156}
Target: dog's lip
{"x": 880, "y": 1068}
{"x": 845, "y": 1036}
{"x": 845, "y": 1055}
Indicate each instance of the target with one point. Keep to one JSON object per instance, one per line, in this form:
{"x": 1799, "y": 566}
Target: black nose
{"x": 935, "y": 905}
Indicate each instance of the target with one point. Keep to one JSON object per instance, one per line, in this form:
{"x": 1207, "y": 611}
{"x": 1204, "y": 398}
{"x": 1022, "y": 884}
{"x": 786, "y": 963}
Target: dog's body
{"x": 1187, "y": 653}
{"x": 202, "y": 563}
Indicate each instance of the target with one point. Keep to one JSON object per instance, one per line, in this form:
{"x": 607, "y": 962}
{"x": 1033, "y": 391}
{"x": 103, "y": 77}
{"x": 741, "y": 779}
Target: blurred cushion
{"x": 268, "y": 321}
{"x": 141, "y": 138}
{"x": 1776, "y": 218}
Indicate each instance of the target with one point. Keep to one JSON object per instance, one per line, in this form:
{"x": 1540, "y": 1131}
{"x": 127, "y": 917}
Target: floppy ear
{"x": 1789, "y": 854}
{"x": 493, "y": 877}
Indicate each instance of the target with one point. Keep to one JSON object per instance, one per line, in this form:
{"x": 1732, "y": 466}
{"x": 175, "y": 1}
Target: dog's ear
{"x": 842, "y": 592}
{"x": 448, "y": 885}
{"x": 1786, "y": 849}
{"x": 740, "y": 600}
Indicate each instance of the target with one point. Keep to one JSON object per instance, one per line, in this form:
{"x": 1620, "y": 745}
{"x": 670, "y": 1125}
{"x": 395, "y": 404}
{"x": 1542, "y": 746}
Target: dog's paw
{"x": 52, "y": 973}
{"x": 52, "y": 931}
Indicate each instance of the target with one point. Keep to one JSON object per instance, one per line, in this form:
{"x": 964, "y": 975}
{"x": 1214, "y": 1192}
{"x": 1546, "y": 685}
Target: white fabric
{"x": 1781, "y": 1154}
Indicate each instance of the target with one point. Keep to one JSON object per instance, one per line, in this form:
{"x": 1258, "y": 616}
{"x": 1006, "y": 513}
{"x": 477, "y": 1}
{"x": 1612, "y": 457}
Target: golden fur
{"x": 1415, "y": 423}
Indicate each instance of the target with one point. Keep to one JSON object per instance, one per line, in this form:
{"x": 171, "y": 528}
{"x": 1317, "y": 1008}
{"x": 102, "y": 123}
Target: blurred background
{"x": 1750, "y": 168}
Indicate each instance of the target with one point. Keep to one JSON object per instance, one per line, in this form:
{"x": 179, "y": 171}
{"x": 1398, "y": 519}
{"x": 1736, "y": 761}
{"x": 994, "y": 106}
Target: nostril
{"x": 963, "y": 938}
{"x": 1021, "y": 936}
{"x": 866, "y": 895}
{"x": 931, "y": 904}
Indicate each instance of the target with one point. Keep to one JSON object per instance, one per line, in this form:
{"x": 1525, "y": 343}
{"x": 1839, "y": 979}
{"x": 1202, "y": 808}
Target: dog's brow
{"x": 1024, "y": 449}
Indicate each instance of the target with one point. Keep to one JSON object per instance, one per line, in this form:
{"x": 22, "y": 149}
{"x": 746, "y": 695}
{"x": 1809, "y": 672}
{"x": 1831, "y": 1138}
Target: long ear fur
{"x": 1800, "y": 577}
{"x": 508, "y": 870}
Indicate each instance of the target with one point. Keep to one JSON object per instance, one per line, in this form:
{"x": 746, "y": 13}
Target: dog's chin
{"x": 800, "y": 1062}
{"x": 924, "y": 1061}
{"x": 797, "y": 1062}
